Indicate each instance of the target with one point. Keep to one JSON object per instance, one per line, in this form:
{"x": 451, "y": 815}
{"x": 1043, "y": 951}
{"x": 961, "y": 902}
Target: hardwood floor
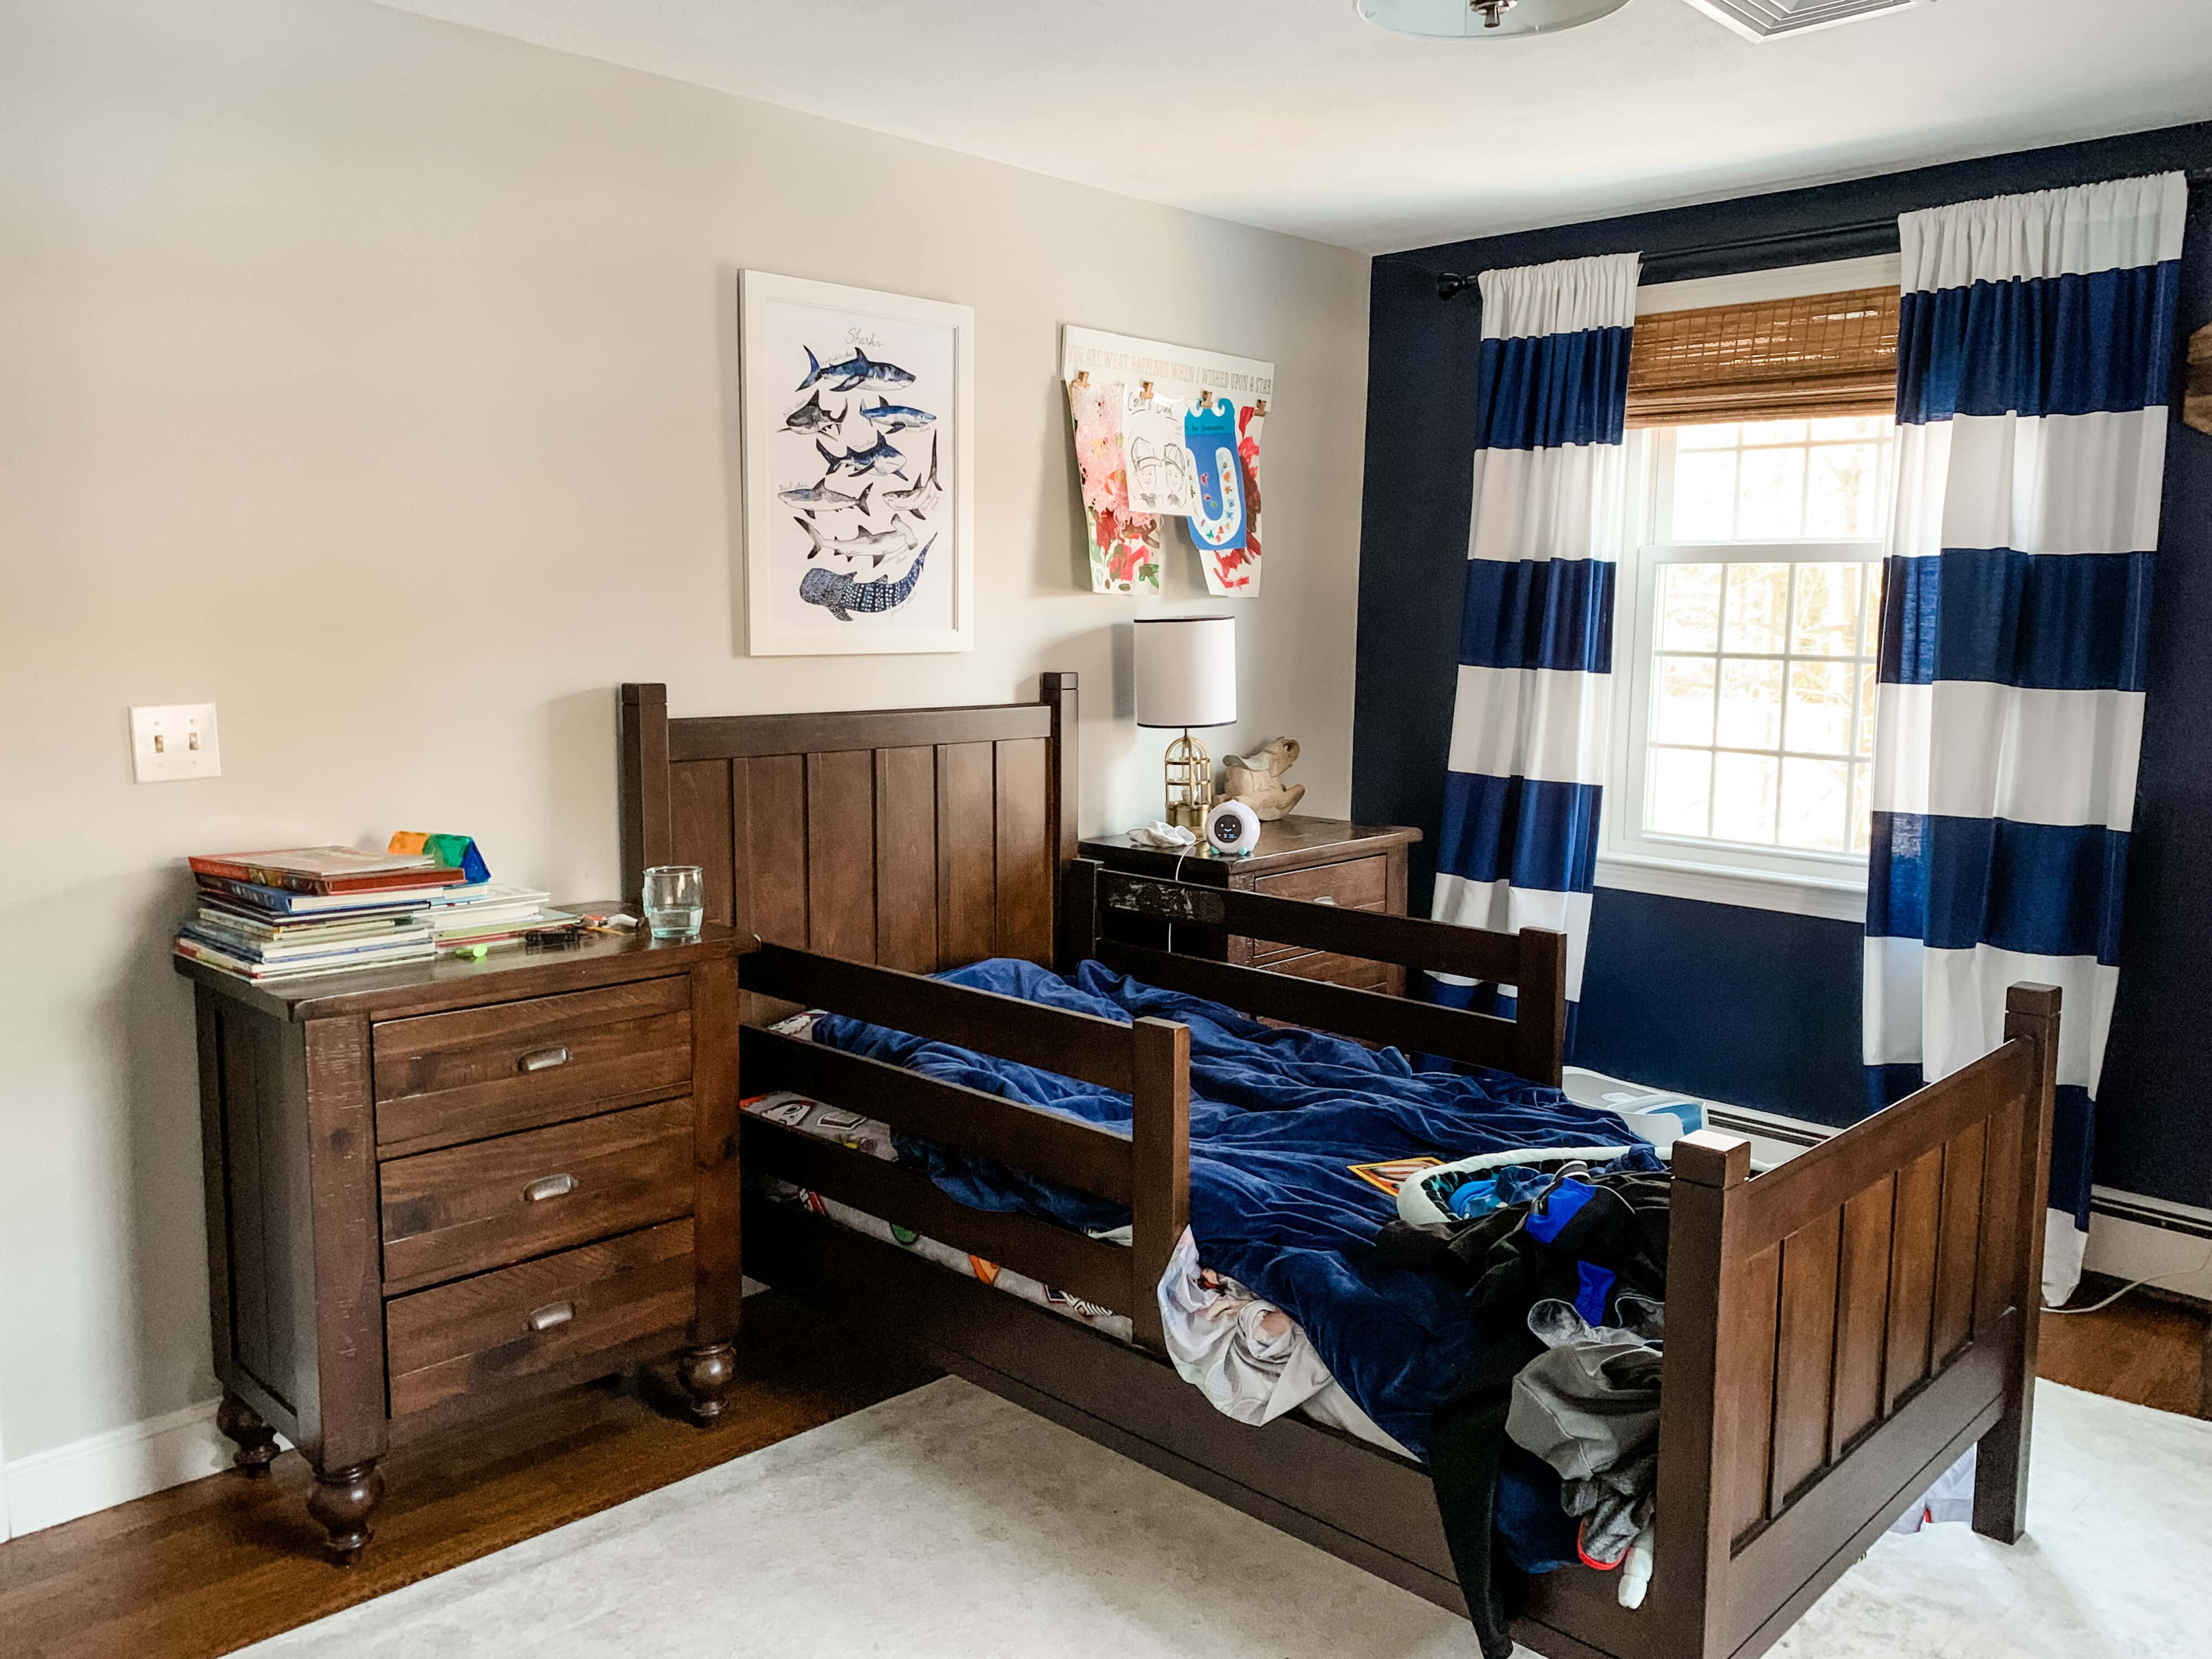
{"x": 207, "y": 1568}
{"x": 2156, "y": 1353}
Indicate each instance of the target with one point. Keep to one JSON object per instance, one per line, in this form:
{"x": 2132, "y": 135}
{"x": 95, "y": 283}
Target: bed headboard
{"x": 917, "y": 838}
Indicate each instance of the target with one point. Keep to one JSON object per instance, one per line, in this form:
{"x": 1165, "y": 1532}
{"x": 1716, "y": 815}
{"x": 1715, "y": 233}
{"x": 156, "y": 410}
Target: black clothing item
{"x": 1623, "y": 1228}
{"x": 1507, "y": 1270}
{"x": 1465, "y": 1438}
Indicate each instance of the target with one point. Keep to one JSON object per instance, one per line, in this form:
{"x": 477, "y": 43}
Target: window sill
{"x": 1838, "y": 899}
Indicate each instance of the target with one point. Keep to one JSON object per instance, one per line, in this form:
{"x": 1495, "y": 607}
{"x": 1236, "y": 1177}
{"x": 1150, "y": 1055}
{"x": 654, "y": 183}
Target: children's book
{"x": 328, "y": 870}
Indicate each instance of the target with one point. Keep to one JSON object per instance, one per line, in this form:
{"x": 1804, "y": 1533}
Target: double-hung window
{"x": 1746, "y": 643}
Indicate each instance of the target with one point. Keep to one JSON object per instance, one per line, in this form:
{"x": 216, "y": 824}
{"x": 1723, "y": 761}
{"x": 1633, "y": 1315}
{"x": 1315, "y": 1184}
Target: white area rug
{"x": 947, "y": 1523}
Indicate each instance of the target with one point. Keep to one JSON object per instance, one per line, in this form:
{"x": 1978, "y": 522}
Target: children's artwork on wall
{"x": 1163, "y": 474}
{"x": 1188, "y": 447}
{"x": 1217, "y": 517}
{"x": 1124, "y": 544}
{"x": 1249, "y": 419}
{"x": 859, "y": 462}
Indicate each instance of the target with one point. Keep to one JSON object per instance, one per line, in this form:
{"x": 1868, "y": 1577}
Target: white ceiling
{"x": 1296, "y": 115}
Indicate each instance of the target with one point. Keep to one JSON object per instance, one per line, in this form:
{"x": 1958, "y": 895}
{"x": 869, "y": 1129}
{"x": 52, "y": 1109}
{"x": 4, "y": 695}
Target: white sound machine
{"x": 1232, "y": 827}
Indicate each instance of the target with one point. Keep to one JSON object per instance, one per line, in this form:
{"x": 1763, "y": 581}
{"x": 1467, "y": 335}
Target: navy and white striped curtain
{"x": 2035, "y": 355}
{"x": 1519, "y": 843}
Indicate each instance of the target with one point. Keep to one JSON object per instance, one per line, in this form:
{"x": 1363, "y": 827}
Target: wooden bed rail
{"x": 1533, "y": 961}
{"x": 1146, "y": 1166}
{"x": 1080, "y": 1046}
{"x": 1839, "y": 1331}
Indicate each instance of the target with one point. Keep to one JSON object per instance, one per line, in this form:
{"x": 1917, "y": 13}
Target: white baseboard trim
{"x": 2134, "y": 1237}
{"x": 101, "y": 1470}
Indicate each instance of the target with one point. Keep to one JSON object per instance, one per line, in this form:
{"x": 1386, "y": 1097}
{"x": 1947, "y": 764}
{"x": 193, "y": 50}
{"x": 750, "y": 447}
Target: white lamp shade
{"x": 1187, "y": 671}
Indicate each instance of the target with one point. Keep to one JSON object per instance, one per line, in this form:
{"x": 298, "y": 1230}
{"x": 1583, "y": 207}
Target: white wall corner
{"x": 101, "y": 1470}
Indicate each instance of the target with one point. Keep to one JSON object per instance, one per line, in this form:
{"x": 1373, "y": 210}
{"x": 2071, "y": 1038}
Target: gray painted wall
{"x": 375, "y": 378}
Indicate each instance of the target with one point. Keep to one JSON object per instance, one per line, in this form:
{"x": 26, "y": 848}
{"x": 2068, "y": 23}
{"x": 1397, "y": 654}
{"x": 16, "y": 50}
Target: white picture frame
{"x": 859, "y": 469}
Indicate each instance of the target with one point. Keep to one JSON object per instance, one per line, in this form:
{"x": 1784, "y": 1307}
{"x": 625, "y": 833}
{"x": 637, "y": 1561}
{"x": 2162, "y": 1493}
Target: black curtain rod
{"x": 1451, "y": 284}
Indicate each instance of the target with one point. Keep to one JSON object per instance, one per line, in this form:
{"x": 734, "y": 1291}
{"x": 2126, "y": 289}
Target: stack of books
{"x": 485, "y": 914}
{"x": 283, "y": 915}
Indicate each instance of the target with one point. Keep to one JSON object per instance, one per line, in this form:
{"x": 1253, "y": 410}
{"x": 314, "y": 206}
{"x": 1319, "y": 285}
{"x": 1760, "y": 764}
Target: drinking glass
{"x": 673, "y": 901}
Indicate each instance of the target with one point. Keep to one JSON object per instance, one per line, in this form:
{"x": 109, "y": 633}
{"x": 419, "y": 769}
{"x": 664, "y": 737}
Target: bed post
{"x": 1078, "y": 914}
{"x": 2001, "y": 1466}
{"x": 1159, "y": 1150}
{"x": 647, "y": 815}
{"x": 1058, "y": 689}
{"x": 1540, "y": 1008}
{"x": 1696, "y": 1524}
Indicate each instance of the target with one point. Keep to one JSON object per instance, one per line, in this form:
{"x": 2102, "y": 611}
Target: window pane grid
{"x": 1702, "y": 783}
{"x": 1762, "y": 678}
{"x": 1798, "y": 479}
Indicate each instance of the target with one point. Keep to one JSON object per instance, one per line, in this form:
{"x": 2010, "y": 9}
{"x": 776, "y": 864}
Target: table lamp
{"x": 1186, "y": 677}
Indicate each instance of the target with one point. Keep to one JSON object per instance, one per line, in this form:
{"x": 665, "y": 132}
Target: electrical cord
{"x": 2137, "y": 1284}
{"x": 1177, "y": 875}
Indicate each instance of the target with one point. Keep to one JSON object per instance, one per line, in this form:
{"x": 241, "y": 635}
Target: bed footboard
{"x": 1839, "y": 1331}
{"x": 1146, "y": 1167}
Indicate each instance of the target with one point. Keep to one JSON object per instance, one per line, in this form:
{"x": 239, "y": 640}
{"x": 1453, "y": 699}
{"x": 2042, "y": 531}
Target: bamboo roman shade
{"x": 1820, "y": 354}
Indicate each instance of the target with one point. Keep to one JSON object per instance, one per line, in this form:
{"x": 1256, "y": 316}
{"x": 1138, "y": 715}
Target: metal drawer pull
{"x": 545, "y": 1187}
{"x": 552, "y": 1313}
{"x": 1325, "y": 899}
{"x": 540, "y": 1060}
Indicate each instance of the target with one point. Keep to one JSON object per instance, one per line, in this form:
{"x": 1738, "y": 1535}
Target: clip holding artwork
{"x": 857, "y": 465}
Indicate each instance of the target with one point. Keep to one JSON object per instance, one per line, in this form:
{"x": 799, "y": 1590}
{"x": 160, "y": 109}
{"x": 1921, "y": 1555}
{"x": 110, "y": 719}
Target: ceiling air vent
{"x": 1767, "y": 20}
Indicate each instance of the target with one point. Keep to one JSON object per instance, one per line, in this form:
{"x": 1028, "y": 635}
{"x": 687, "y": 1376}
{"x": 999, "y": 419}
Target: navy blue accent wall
{"x": 1750, "y": 1005}
{"x": 1779, "y": 1033}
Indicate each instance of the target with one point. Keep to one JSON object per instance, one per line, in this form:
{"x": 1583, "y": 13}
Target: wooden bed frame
{"x": 1839, "y": 1331}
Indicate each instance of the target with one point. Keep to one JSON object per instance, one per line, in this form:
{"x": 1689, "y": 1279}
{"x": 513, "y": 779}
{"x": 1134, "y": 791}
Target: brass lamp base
{"x": 1189, "y": 783}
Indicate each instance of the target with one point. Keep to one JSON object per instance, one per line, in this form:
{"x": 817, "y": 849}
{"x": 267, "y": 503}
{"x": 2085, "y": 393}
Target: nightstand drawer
{"x": 1355, "y": 973}
{"x": 1356, "y": 884}
{"x": 447, "y": 1077}
{"x": 522, "y": 1322}
{"x": 468, "y": 1208}
{"x": 1352, "y": 884}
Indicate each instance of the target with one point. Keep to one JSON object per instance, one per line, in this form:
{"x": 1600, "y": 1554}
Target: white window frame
{"x": 1831, "y": 884}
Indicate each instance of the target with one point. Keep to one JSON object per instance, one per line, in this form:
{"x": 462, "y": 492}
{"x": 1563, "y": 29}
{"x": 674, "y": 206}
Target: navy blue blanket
{"x": 1277, "y": 1119}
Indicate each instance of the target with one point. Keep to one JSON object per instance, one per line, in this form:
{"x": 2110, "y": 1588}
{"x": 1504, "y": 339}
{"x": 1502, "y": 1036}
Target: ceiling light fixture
{"x": 1482, "y": 20}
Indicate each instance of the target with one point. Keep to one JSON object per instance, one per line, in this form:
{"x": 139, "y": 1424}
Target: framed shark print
{"x": 859, "y": 458}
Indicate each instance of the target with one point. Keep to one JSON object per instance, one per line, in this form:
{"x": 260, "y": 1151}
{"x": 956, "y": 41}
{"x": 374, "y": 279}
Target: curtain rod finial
{"x": 1451, "y": 285}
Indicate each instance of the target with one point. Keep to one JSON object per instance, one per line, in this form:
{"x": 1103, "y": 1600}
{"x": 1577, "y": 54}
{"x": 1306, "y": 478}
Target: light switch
{"x": 174, "y": 741}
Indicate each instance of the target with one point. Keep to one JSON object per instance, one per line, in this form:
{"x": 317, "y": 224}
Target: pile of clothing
{"x": 1563, "y": 1274}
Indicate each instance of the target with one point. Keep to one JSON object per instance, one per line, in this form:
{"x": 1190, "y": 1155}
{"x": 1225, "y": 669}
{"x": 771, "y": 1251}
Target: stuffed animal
{"x": 1257, "y": 779}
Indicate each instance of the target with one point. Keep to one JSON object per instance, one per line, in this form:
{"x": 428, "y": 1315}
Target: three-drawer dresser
{"x": 434, "y": 1190}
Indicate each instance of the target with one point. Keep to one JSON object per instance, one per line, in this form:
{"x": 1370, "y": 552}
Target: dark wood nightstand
{"x": 1323, "y": 860}
{"x": 436, "y": 1190}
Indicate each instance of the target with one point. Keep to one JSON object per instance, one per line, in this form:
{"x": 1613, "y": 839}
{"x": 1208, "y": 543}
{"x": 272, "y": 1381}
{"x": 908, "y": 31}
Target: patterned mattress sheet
{"x": 1247, "y": 1356}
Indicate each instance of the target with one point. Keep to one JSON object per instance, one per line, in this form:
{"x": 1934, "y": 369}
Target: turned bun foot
{"x": 342, "y": 1501}
{"x": 706, "y": 1375}
{"x": 255, "y": 1439}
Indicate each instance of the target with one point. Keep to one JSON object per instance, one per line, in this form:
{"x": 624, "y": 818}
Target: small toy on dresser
{"x": 1257, "y": 779}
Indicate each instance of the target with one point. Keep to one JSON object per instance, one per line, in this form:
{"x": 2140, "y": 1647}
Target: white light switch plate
{"x": 174, "y": 741}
